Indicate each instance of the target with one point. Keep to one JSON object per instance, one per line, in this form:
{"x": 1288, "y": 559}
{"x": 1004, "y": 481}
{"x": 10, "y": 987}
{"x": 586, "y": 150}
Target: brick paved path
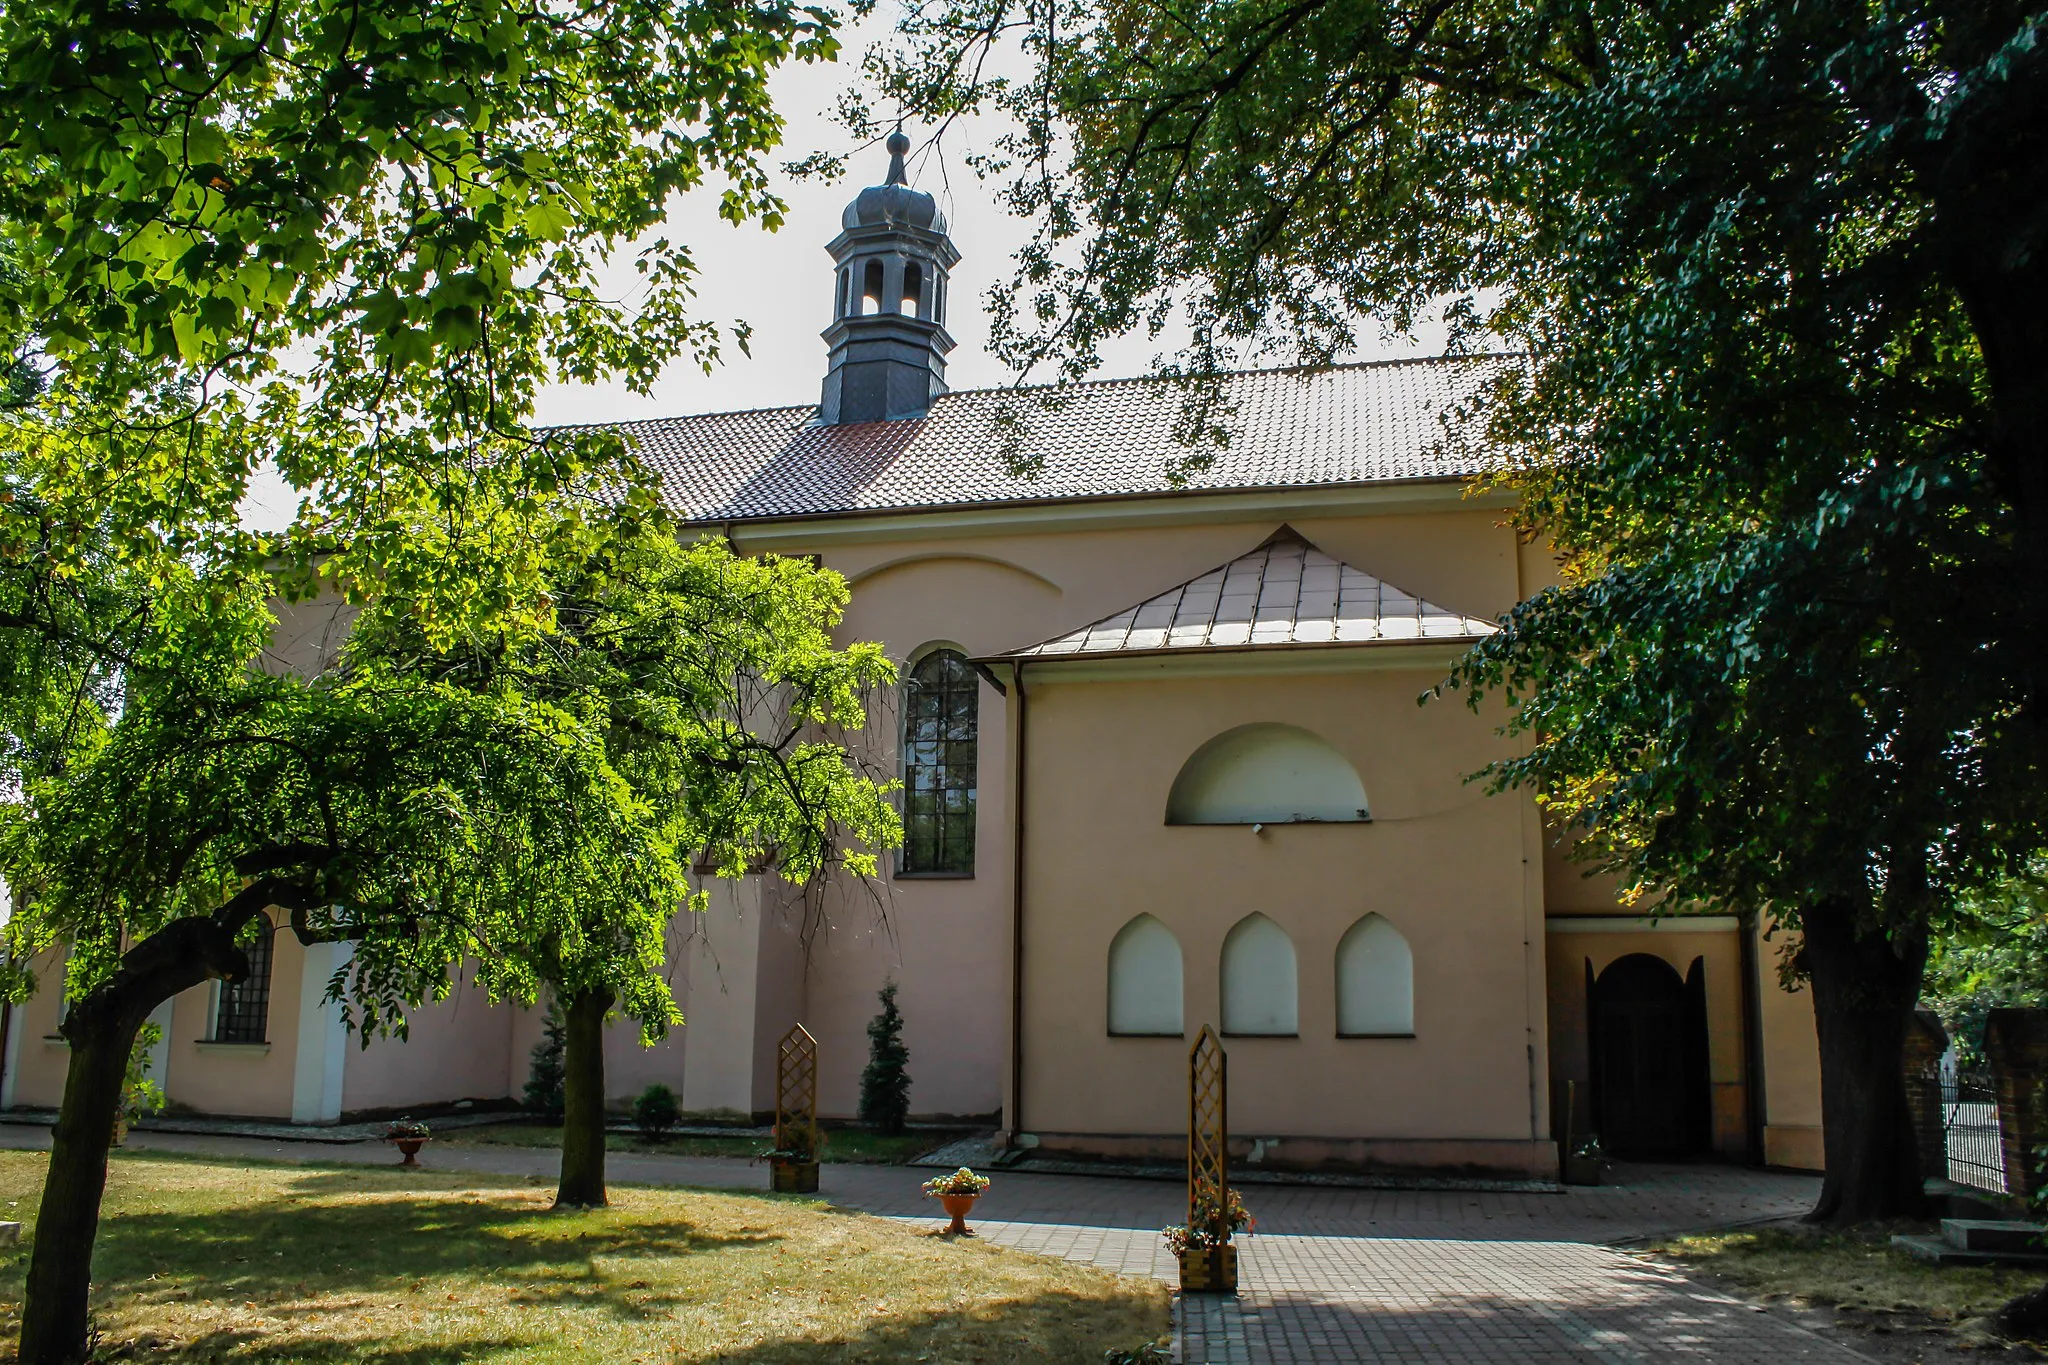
{"x": 1408, "y": 1277}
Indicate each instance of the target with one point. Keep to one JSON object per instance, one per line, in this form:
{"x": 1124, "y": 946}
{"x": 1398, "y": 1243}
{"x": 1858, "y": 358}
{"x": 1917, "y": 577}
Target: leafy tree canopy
{"x": 712, "y": 683}
{"x": 355, "y": 241}
{"x": 1995, "y": 955}
{"x": 534, "y": 807}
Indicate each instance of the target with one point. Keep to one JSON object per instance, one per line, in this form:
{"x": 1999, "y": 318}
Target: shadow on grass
{"x": 217, "y": 1346}
{"x": 1048, "y": 1329}
{"x": 333, "y": 1265}
{"x": 393, "y": 1243}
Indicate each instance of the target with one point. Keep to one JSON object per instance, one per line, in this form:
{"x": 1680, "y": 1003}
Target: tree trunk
{"x": 1865, "y": 986}
{"x": 582, "y": 1183}
{"x": 1989, "y": 199}
{"x": 54, "y": 1320}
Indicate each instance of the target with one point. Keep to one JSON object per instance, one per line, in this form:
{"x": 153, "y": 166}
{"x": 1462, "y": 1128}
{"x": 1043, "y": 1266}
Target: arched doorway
{"x": 1649, "y": 1045}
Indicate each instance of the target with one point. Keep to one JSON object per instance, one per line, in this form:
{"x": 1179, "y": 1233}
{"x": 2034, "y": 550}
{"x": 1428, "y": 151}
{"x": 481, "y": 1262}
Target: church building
{"x": 1164, "y": 765}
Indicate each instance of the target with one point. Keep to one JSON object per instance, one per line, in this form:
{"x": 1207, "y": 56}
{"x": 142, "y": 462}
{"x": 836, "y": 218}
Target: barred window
{"x": 242, "y": 1014}
{"x": 939, "y": 761}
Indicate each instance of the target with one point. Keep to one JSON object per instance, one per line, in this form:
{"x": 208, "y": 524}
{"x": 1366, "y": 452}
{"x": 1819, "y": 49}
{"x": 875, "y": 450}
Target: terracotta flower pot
{"x": 959, "y": 1206}
{"x": 1208, "y": 1270}
{"x": 410, "y": 1147}
{"x": 793, "y": 1177}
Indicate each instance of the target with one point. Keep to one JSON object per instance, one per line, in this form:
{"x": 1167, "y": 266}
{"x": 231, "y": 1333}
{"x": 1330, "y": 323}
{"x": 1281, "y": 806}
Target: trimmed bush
{"x": 656, "y": 1111}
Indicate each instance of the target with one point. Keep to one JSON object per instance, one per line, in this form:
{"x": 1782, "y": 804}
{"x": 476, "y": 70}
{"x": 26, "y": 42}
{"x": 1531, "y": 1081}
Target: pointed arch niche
{"x": 1266, "y": 774}
{"x": 1260, "y": 991}
{"x": 1145, "y": 981}
{"x": 1375, "y": 982}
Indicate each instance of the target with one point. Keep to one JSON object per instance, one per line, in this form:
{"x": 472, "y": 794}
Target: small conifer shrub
{"x": 885, "y": 1084}
{"x": 544, "y": 1078}
{"x": 655, "y": 1112}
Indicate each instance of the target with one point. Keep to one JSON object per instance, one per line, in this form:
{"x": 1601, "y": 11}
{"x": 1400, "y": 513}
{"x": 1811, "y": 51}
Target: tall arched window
{"x": 871, "y": 288}
{"x": 939, "y": 761}
{"x": 1375, "y": 981}
{"x": 1145, "y": 980}
{"x": 241, "y": 1011}
{"x": 913, "y": 290}
{"x": 1259, "y": 991}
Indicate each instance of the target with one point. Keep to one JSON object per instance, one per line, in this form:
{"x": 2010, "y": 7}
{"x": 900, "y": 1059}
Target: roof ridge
{"x": 1285, "y": 532}
{"x": 1322, "y": 367}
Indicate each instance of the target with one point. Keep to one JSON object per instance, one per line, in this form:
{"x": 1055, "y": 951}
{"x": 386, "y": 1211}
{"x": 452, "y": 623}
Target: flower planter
{"x": 957, "y": 1207}
{"x": 409, "y": 1147}
{"x": 1582, "y": 1170}
{"x": 793, "y": 1177}
{"x": 1208, "y": 1270}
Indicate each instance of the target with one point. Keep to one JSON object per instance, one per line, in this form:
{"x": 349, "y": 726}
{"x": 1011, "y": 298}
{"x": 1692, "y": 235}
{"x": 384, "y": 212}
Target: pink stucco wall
{"x": 459, "y": 1049}
{"x": 39, "y": 1057}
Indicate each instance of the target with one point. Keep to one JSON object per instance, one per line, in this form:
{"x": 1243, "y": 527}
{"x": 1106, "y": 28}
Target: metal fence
{"x": 1969, "y": 1130}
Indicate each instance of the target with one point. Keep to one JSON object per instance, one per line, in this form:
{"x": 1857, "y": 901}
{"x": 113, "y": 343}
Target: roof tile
{"x": 1285, "y": 592}
{"x": 1373, "y": 422}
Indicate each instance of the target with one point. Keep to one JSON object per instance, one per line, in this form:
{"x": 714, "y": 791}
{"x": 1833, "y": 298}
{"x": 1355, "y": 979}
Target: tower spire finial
{"x": 898, "y": 146}
{"x": 888, "y": 335}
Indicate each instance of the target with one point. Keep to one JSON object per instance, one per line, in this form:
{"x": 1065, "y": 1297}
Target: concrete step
{"x": 1952, "y": 1200}
{"x": 1935, "y": 1249}
{"x": 1992, "y": 1234}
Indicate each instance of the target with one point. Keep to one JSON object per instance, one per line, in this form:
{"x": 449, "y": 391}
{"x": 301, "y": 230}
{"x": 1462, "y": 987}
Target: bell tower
{"x": 888, "y": 335}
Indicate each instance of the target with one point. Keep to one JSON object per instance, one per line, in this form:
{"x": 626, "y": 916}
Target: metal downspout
{"x": 1014, "y": 1120}
{"x": 1747, "y": 928}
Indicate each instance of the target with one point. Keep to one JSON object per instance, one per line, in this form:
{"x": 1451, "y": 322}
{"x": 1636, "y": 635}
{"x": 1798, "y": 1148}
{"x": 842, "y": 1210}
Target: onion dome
{"x": 894, "y": 203}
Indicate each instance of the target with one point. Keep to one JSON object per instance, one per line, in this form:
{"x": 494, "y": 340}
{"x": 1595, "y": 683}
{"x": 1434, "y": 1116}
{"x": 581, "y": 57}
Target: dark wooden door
{"x": 1640, "y": 1057}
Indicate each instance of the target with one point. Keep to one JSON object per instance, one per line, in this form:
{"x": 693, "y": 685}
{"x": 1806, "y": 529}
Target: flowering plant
{"x": 796, "y": 1143}
{"x": 1212, "y": 1220}
{"x": 405, "y": 1128}
{"x": 962, "y": 1181}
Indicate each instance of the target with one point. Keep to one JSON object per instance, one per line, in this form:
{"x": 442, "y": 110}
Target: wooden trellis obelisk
{"x": 796, "y": 1080}
{"x": 795, "y": 1169}
{"x": 1208, "y": 1121}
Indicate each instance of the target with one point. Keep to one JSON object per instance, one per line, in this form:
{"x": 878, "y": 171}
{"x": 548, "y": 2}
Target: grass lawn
{"x": 1859, "y": 1271}
{"x": 841, "y": 1144}
{"x": 200, "y": 1260}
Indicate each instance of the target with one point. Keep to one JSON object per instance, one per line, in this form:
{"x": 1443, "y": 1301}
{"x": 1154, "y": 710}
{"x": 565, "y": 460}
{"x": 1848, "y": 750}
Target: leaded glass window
{"x": 939, "y": 761}
{"x": 243, "y": 1012}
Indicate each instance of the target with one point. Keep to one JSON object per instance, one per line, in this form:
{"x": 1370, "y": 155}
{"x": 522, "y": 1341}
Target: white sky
{"x": 781, "y": 282}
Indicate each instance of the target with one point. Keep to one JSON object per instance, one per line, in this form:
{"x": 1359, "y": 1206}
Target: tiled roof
{"x": 1286, "y": 592}
{"x": 1288, "y": 428}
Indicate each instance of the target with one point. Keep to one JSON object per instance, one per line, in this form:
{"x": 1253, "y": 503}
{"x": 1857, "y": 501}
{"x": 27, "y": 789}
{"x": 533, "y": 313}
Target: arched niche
{"x": 1260, "y": 990}
{"x": 1266, "y": 774}
{"x": 1145, "y": 981}
{"x": 1375, "y": 981}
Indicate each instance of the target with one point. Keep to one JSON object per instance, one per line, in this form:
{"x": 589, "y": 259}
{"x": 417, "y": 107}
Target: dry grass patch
{"x": 1858, "y": 1271}
{"x": 209, "y": 1261}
